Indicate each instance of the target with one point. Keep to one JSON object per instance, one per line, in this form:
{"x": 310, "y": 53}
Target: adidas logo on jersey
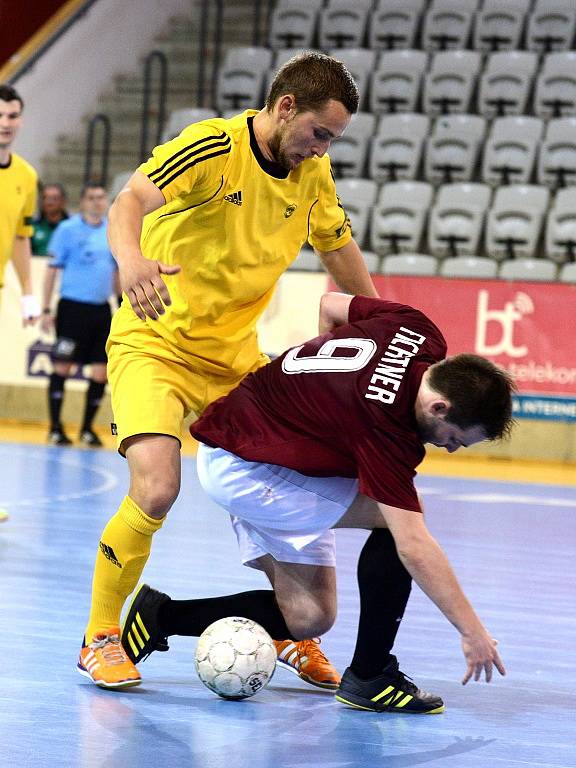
{"x": 234, "y": 197}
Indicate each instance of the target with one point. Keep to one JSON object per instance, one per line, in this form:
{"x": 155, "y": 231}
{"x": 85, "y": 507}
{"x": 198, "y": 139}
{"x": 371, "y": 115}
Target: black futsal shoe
{"x": 141, "y": 634}
{"x": 57, "y": 436}
{"x": 391, "y": 691}
{"x": 90, "y": 438}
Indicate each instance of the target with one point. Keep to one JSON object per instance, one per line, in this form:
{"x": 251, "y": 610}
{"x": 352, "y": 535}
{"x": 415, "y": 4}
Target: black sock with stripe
{"x": 191, "y": 617}
{"x": 384, "y": 586}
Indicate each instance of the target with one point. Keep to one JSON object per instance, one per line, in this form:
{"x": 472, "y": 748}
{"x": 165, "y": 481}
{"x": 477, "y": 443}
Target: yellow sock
{"x": 122, "y": 554}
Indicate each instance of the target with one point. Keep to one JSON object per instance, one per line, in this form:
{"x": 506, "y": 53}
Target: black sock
{"x": 191, "y": 617}
{"x": 384, "y": 586}
{"x": 55, "y": 399}
{"x": 93, "y": 399}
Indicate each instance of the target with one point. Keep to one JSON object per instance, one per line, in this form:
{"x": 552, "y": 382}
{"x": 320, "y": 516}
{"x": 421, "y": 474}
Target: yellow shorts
{"x": 153, "y": 394}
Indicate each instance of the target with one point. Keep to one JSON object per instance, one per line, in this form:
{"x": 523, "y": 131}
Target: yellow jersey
{"x": 18, "y": 190}
{"x": 234, "y": 222}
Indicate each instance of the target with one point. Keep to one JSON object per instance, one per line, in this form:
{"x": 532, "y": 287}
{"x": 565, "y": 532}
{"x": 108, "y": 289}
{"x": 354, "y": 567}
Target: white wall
{"x": 108, "y": 40}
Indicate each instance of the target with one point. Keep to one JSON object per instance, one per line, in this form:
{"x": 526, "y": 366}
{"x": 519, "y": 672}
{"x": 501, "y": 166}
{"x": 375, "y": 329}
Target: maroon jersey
{"x": 341, "y": 404}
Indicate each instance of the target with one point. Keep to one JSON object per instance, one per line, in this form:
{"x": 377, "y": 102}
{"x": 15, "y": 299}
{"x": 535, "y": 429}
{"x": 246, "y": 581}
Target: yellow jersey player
{"x": 202, "y": 232}
{"x": 18, "y": 190}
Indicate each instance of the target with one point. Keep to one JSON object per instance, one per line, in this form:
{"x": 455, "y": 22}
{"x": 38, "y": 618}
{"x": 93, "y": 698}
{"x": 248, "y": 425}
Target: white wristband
{"x": 30, "y": 307}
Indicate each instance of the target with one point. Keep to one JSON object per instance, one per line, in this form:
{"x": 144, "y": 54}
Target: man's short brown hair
{"x": 479, "y": 392}
{"x": 313, "y": 79}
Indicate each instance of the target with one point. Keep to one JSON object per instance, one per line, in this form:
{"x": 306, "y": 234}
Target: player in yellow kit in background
{"x": 202, "y": 232}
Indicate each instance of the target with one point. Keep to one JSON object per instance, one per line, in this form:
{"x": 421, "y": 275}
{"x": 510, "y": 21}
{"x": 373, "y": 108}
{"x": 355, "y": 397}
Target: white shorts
{"x": 274, "y": 510}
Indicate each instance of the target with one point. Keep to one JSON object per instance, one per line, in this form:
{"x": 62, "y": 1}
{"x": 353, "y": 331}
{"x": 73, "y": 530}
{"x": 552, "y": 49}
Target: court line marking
{"x": 109, "y": 480}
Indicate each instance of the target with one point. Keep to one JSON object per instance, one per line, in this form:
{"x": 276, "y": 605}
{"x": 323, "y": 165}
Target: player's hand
{"x": 30, "y": 309}
{"x": 146, "y": 290}
{"x": 481, "y": 656}
{"x": 47, "y": 322}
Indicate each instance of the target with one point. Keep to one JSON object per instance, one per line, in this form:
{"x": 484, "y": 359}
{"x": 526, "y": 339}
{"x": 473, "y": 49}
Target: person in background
{"x": 52, "y": 212}
{"x": 18, "y": 187}
{"x": 89, "y": 277}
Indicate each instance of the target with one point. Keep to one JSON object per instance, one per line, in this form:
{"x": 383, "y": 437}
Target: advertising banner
{"x": 528, "y": 328}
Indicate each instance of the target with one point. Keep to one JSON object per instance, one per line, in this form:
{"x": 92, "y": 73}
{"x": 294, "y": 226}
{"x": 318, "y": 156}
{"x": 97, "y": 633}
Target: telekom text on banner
{"x": 528, "y": 328}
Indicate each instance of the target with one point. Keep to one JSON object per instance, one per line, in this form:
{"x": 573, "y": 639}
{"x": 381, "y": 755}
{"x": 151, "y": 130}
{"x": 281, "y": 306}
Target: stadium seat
{"x": 561, "y": 227}
{"x": 510, "y": 150}
{"x": 555, "y": 93}
{"x": 567, "y": 273}
{"x": 396, "y": 149}
{"x": 515, "y": 221}
{"x": 349, "y": 154}
{"x": 551, "y": 26}
{"x": 449, "y": 84}
{"x": 500, "y": 25}
{"x": 315, "y": 4}
{"x": 394, "y": 24}
{"x": 452, "y": 151}
{"x": 457, "y": 219}
{"x": 361, "y": 62}
{"x": 343, "y": 25}
{"x": 557, "y": 157}
{"x": 241, "y": 78}
{"x": 471, "y": 267}
{"x": 399, "y": 216}
{"x": 447, "y": 24}
{"x": 409, "y": 264}
{"x": 293, "y": 24}
{"x": 396, "y": 82}
{"x": 181, "y": 118}
{"x": 358, "y": 196}
{"x": 506, "y": 83}
{"x": 536, "y": 270}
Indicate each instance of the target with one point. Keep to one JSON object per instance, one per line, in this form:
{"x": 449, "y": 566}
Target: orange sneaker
{"x": 306, "y": 660}
{"x": 105, "y": 662}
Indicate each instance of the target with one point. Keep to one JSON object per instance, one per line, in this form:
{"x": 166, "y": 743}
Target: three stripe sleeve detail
{"x": 187, "y": 157}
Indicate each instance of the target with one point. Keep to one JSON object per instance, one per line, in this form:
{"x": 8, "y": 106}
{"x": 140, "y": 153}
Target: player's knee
{"x": 155, "y": 494}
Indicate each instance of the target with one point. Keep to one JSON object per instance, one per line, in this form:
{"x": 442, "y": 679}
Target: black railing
{"x": 160, "y": 112}
{"x": 102, "y": 176}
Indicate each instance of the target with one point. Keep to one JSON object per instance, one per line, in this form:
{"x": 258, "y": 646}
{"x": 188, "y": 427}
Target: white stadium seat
{"x": 241, "y": 78}
{"x": 452, "y": 151}
{"x": 342, "y": 25}
{"x": 447, "y": 24}
{"x": 537, "y": 270}
{"x": 399, "y": 216}
{"x": 557, "y": 157}
{"x": 361, "y": 63}
{"x": 394, "y": 24}
{"x": 409, "y": 264}
{"x": 500, "y": 25}
{"x": 510, "y": 150}
{"x": 561, "y": 227}
{"x": 506, "y": 83}
{"x": 450, "y": 81}
{"x": 396, "y": 149}
{"x": 457, "y": 219}
{"x": 515, "y": 221}
{"x": 293, "y": 24}
{"x": 555, "y": 93}
{"x": 396, "y": 83}
{"x": 551, "y": 26}
{"x": 469, "y": 267}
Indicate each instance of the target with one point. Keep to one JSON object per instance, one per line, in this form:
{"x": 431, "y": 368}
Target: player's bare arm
{"x": 140, "y": 278}
{"x": 348, "y": 269}
{"x": 333, "y": 311}
{"x": 21, "y": 258}
{"x": 429, "y": 567}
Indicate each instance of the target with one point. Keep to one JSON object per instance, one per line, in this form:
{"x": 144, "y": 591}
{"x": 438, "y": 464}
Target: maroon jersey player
{"x": 329, "y": 435}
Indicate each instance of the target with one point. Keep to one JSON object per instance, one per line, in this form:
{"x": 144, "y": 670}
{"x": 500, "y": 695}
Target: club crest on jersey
{"x": 289, "y": 211}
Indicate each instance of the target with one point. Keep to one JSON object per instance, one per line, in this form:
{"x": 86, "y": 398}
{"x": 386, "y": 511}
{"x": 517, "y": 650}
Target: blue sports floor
{"x": 512, "y": 546}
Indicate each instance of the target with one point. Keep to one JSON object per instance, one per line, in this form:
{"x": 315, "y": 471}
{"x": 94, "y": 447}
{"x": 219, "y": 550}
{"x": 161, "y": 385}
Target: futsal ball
{"x": 235, "y": 657}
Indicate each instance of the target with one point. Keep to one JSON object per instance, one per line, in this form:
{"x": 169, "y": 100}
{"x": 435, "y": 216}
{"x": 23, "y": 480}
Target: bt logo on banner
{"x": 504, "y": 320}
